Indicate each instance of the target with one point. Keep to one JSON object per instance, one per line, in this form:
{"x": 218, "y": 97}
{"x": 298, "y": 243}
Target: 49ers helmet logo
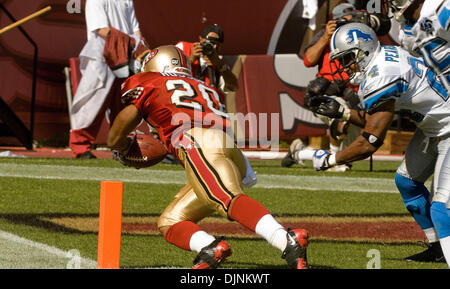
{"x": 149, "y": 56}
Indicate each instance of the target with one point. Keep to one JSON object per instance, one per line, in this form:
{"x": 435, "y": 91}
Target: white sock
{"x": 334, "y": 149}
{"x": 199, "y": 240}
{"x": 306, "y": 154}
{"x": 431, "y": 235}
{"x": 445, "y": 245}
{"x": 268, "y": 228}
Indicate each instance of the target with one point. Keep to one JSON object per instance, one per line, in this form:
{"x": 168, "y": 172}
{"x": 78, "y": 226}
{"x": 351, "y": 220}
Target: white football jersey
{"x": 395, "y": 74}
{"x": 429, "y": 37}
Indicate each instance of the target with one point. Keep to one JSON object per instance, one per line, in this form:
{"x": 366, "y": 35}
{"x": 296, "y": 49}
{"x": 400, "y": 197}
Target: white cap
{"x": 339, "y": 10}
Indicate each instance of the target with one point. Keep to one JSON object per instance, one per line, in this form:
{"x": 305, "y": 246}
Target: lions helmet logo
{"x": 353, "y": 36}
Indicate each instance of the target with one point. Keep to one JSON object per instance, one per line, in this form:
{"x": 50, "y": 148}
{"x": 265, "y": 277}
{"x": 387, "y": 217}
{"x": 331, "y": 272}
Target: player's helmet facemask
{"x": 344, "y": 63}
{"x": 353, "y": 46}
{"x": 398, "y": 8}
{"x": 167, "y": 59}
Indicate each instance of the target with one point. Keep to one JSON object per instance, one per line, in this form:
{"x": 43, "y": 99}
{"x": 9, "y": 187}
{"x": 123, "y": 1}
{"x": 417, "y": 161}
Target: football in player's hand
{"x": 145, "y": 151}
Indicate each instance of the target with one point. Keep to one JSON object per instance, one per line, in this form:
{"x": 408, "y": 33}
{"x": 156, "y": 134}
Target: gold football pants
{"x": 214, "y": 167}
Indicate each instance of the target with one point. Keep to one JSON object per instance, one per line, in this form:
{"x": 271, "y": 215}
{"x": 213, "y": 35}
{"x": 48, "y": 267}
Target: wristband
{"x": 332, "y": 160}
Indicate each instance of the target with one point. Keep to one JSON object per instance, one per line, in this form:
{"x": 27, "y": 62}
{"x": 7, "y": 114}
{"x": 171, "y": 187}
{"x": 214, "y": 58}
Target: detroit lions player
{"x": 393, "y": 81}
{"x": 426, "y": 32}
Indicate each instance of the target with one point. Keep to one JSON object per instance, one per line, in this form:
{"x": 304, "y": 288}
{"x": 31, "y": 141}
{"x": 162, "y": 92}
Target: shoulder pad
{"x": 133, "y": 87}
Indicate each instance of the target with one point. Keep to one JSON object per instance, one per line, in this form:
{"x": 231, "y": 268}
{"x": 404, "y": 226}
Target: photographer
{"x": 317, "y": 52}
{"x": 207, "y": 65}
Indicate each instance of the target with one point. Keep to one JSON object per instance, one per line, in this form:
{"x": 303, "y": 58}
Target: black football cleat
{"x": 86, "y": 155}
{"x": 295, "y": 252}
{"x": 433, "y": 253}
{"x": 212, "y": 255}
{"x": 289, "y": 159}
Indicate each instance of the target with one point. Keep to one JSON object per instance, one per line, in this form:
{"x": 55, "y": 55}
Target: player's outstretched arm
{"x": 125, "y": 122}
{"x": 372, "y": 137}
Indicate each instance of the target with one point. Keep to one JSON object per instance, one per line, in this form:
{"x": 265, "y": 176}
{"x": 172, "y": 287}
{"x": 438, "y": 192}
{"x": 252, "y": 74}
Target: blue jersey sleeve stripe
{"x": 394, "y": 88}
{"x": 444, "y": 16}
{"x": 407, "y": 29}
{"x": 408, "y": 32}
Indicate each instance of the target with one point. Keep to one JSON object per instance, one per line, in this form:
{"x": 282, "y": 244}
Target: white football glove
{"x": 250, "y": 178}
{"x": 325, "y": 119}
{"x": 323, "y": 160}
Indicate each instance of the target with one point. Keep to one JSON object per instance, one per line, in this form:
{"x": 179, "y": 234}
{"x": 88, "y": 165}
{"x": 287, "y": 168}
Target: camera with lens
{"x": 207, "y": 47}
{"x": 380, "y": 23}
{"x": 342, "y": 21}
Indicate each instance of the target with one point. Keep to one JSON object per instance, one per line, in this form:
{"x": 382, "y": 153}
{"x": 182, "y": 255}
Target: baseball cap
{"x": 339, "y": 10}
{"x": 213, "y": 28}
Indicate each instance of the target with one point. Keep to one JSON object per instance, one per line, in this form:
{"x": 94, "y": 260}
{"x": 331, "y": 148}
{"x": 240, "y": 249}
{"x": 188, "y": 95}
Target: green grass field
{"x": 34, "y": 192}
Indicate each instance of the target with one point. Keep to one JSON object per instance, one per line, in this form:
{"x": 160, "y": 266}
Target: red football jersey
{"x": 171, "y": 102}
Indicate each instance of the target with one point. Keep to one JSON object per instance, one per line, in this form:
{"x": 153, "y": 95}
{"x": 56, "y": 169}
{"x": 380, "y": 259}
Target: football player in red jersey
{"x": 189, "y": 120}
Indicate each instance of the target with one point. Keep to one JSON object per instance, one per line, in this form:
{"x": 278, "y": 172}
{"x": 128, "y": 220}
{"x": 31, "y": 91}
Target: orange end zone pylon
{"x": 110, "y": 225}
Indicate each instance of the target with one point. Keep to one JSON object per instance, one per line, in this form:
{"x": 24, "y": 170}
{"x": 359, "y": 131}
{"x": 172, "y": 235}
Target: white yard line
{"x": 20, "y": 253}
{"x": 178, "y": 177}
